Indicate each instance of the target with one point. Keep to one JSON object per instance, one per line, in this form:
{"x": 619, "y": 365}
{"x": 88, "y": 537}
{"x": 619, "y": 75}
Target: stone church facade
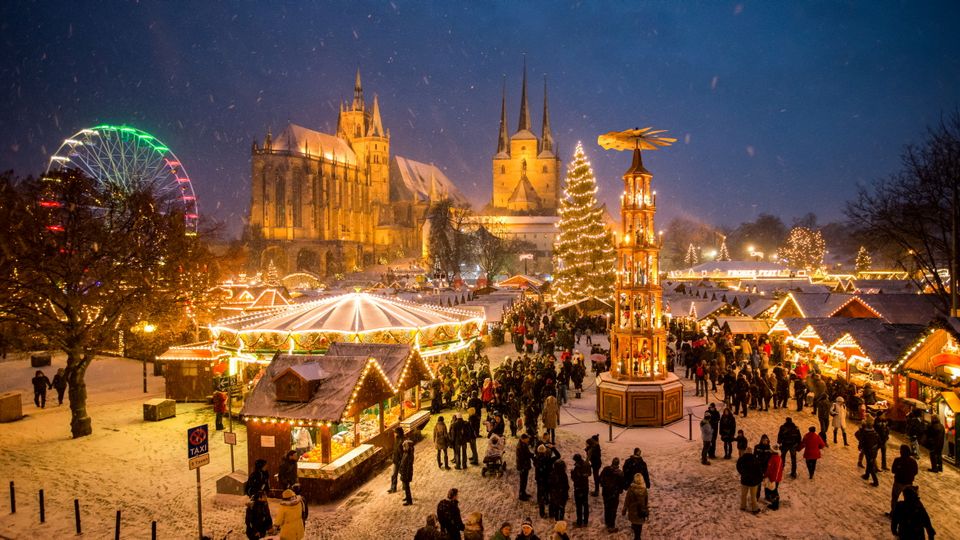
{"x": 332, "y": 203}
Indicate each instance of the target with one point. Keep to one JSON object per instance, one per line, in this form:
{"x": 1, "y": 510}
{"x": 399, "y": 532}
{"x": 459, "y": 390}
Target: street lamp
{"x": 146, "y": 328}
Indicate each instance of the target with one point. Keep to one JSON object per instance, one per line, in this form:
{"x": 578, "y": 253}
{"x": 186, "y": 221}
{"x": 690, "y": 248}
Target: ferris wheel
{"x": 126, "y": 159}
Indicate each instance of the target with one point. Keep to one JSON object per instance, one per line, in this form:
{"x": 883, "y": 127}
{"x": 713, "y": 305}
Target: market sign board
{"x": 198, "y": 446}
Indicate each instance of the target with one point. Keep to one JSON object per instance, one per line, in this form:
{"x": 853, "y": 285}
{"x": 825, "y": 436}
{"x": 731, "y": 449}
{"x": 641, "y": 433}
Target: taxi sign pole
{"x": 199, "y": 507}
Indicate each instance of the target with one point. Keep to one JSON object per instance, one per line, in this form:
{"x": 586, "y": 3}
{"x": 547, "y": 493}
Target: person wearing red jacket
{"x": 219, "y": 407}
{"x": 812, "y": 444}
{"x": 773, "y": 478}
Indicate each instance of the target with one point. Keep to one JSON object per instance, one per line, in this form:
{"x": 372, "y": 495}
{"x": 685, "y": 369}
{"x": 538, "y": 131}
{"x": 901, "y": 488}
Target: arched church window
{"x": 503, "y": 169}
{"x": 280, "y": 206}
{"x": 544, "y": 168}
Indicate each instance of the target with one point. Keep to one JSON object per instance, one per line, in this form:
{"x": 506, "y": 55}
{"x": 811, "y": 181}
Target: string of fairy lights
{"x": 584, "y": 254}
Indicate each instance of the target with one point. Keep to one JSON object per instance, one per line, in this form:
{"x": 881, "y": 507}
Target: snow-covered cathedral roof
{"x": 301, "y": 140}
{"x": 414, "y": 180}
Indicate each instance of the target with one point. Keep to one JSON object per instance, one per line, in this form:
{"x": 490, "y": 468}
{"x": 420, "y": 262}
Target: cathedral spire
{"x": 357, "y": 93}
{"x": 503, "y": 142}
{"x": 547, "y": 140}
{"x": 524, "y": 110}
{"x": 376, "y": 125}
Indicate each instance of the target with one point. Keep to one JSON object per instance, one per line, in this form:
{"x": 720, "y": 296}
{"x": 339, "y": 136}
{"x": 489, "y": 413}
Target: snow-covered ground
{"x": 141, "y": 468}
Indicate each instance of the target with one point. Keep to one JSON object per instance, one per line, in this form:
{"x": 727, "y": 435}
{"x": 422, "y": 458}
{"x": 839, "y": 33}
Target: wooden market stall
{"x": 336, "y": 410}
{"x": 189, "y": 371}
{"x": 928, "y": 371}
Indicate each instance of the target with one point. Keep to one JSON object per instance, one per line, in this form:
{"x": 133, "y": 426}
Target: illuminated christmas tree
{"x": 864, "y": 262}
{"x": 803, "y": 250}
{"x": 693, "y": 256}
{"x": 583, "y": 254}
{"x": 723, "y": 254}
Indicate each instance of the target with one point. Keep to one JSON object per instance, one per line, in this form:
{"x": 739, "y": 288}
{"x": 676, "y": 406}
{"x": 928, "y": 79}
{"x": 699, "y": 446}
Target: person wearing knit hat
{"x": 560, "y": 531}
{"x": 290, "y": 516}
{"x": 526, "y": 531}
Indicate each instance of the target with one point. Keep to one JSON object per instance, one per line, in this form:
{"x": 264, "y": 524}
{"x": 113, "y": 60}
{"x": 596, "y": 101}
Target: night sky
{"x": 781, "y": 107}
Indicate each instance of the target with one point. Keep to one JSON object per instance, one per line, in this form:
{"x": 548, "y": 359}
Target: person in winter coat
{"x": 430, "y": 531}
{"x": 594, "y": 457}
{"x": 551, "y": 418}
{"x": 635, "y": 465}
{"x": 406, "y": 471}
{"x": 290, "y": 517}
{"x": 713, "y": 415}
{"x": 259, "y": 479}
{"x": 473, "y": 526}
{"x": 526, "y": 531}
{"x": 257, "y": 519}
{"x": 635, "y": 506}
{"x": 788, "y": 437}
{"x": 838, "y": 419}
{"x": 869, "y": 443}
{"x": 904, "y": 469}
{"x": 60, "y": 384}
{"x": 935, "y": 437}
{"x": 751, "y": 475}
{"x": 580, "y": 476}
{"x": 706, "y": 435}
{"x": 219, "y": 407}
{"x": 560, "y": 531}
{"x": 910, "y": 518}
{"x": 821, "y": 404}
{"x": 774, "y": 476}
{"x": 448, "y": 515}
{"x": 883, "y": 431}
{"x": 741, "y": 441}
{"x": 40, "y": 385}
{"x": 458, "y": 440}
{"x": 543, "y": 462}
{"x": 811, "y": 445}
{"x": 524, "y": 464}
{"x": 287, "y": 472}
{"x": 914, "y": 430}
{"x": 503, "y": 533}
{"x": 611, "y": 480}
{"x": 762, "y": 451}
{"x": 559, "y": 490}
{"x": 396, "y": 457}
{"x": 728, "y": 430}
{"x": 441, "y": 440}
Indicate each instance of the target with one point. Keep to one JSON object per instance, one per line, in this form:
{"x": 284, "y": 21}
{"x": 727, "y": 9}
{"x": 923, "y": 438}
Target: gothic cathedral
{"x": 333, "y": 203}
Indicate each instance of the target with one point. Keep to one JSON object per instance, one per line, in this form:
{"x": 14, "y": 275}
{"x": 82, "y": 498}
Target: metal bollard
{"x": 76, "y": 515}
{"x": 116, "y": 534}
{"x": 690, "y": 433}
{"x": 13, "y": 499}
{"x": 153, "y": 530}
{"x": 610, "y": 426}
{"x": 43, "y": 514}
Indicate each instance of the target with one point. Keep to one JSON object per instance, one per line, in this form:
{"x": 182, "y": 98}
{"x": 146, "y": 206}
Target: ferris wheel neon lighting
{"x": 127, "y": 158}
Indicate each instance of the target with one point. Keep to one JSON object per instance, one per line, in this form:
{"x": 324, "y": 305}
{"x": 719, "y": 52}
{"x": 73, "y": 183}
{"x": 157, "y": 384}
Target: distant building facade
{"x": 331, "y": 203}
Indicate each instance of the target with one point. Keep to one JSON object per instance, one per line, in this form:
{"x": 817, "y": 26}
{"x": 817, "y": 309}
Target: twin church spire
{"x": 503, "y": 140}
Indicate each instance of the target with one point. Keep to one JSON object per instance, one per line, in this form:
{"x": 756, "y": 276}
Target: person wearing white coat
{"x": 838, "y": 419}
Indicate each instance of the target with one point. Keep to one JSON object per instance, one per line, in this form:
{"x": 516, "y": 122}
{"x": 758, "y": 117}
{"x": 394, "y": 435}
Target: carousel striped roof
{"x": 353, "y": 313}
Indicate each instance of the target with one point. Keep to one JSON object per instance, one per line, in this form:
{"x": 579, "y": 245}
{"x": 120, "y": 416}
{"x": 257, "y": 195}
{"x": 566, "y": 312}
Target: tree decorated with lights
{"x": 864, "y": 262}
{"x": 693, "y": 256}
{"x": 803, "y": 249}
{"x": 723, "y": 254}
{"x": 583, "y": 254}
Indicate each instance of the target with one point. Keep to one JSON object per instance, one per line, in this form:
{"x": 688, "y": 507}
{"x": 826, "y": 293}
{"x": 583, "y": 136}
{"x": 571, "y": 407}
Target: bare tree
{"x": 80, "y": 262}
{"x": 912, "y": 211}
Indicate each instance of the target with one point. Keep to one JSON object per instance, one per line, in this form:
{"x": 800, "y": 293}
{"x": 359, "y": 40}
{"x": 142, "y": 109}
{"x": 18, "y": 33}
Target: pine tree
{"x": 864, "y": 262}
{"x": 583, "y": 253}
{"x": 723, "y": 255}
{"x": 272, "y": 276}
{"x": 803, "y": 250}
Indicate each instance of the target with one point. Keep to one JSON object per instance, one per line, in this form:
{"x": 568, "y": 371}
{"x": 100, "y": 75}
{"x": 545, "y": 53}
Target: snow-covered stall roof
{"x": 744, "y": 325}
{"x": 758, "y": 306}
{"x": 903, "y": 308}
{"x": 882, "y": 342}
{"x": 392, "y": 357}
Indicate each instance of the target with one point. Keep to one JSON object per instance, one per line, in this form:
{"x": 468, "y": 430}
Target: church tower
{"x": 526, "y": 169}
{"x": 363, "y": 128}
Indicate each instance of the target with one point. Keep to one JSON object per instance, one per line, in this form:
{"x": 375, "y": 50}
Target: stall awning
{"x": 929, "y": 381}
{"x": 952, "y": 400}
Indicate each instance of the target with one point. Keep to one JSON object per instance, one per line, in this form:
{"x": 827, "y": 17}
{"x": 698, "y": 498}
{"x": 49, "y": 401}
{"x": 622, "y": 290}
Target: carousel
{"x": 312, "y": 327}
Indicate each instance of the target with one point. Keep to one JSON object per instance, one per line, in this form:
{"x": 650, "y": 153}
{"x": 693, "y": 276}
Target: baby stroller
{"x": 493, "y": 462}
